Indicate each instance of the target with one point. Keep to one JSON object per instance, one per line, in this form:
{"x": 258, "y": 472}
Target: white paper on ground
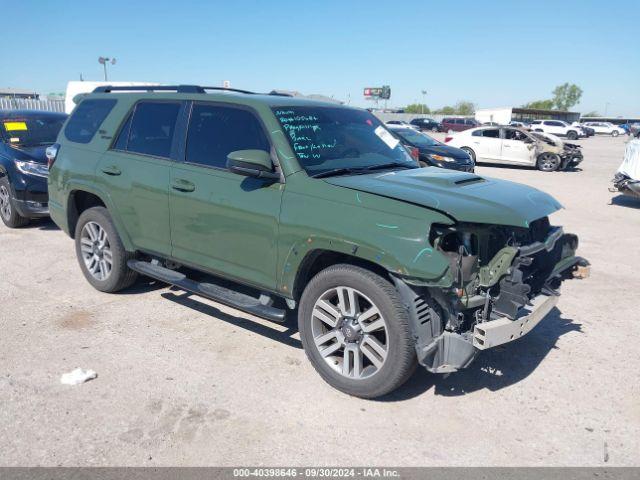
{"x": 77, "y": 376}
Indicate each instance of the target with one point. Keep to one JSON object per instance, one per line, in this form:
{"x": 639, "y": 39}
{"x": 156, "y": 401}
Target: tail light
{"x": 448, "y": 138}
{"x": 51, "y": 153}
{"x": 415, "y": 153}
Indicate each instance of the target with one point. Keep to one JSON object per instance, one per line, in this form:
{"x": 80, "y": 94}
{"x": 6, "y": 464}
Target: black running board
{"x": 217, "y": 293}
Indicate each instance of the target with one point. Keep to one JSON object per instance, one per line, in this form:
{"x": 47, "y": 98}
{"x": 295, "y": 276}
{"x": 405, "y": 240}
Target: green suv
{"x": 268, "y": 203}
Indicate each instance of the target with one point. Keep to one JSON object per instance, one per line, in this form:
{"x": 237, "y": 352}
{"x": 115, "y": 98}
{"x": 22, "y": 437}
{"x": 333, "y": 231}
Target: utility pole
{"x": 104, "y": 61}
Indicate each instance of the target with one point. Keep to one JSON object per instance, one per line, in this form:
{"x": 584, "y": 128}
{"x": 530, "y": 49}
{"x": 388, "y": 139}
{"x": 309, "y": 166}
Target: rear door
{"x": 487, "y": 144}
{"x": 517, "y": 147}
{"x": 136, "y": 171}
{"x": 224, "y": 222}
{"x": 555, "y": 127}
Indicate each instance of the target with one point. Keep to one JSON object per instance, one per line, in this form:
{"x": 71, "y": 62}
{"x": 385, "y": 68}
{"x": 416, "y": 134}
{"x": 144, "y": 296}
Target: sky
{"x": 492, "y": 53}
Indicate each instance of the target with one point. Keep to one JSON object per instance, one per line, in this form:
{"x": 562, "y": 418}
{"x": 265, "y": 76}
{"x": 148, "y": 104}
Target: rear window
{"x": 87, "y": 118}
{"x": 152, "y": 128}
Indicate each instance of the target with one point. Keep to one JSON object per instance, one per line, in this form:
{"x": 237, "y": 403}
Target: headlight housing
{"x": 32, "y": 168}
{"x": 440, "y": 158}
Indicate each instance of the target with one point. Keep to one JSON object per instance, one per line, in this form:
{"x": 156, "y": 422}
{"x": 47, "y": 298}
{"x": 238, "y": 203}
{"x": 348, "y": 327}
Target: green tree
{"x": 446, "y": 110}
{"x": 566, "y": 96}
{"x": 592, "y": 113}
{"x": 465, "y": 108}
{"x": 417, "y": 108}
{"x": 539, "y": 104}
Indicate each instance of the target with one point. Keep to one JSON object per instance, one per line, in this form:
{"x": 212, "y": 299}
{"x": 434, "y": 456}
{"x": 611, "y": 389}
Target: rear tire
{"x": 360, "y": 353}
{"x": 471, "y": 153}
{"x": 548, "y": 162}
{"x": 101, "y": 255}
{"x": 8, "y": 212}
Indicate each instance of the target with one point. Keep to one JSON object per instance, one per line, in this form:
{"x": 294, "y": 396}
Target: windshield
{"x": 416, "y": 138}
{"x": 31, "y": 131}
{"x": 330, "y": 138}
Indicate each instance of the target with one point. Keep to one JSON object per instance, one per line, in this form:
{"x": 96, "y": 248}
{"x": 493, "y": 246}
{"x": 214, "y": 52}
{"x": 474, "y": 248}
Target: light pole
{"x": 606, "y": 107}
{"x": 424, "y": 94}
{"x": 104, "y": 61}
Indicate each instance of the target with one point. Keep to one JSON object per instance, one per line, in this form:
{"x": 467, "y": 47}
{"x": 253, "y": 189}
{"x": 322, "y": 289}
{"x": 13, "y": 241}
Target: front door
{"x": 487, "y": 144}
{"x": 136, "y": 173}
{"x": 224, "y": 222}
{"x": 517, "y": 147}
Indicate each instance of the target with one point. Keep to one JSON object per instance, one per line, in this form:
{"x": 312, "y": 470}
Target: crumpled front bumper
{"x": 443, "y": 351}
{"x": 504, "y": 330}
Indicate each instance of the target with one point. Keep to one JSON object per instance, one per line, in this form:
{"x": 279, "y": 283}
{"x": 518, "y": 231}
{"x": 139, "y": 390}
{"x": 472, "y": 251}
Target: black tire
{"x": 8, "y": 212}
{"x": 400, "y": 361}
{"x": 572, "y": 135}
{"x": 615, "y": 133}
{"x": 548, "y": 162}
{"x": 120, "y": 276}
{"x": 471, "y": 153}
{"x": 434, "y": 129}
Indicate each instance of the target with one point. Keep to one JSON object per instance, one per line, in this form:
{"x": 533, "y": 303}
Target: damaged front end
{"x": 501, "y": 282}
{"x": 626, "y": 185}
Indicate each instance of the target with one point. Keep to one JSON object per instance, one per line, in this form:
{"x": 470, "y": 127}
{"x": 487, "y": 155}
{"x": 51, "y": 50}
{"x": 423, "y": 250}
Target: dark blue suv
{"x": 24, "y": 137}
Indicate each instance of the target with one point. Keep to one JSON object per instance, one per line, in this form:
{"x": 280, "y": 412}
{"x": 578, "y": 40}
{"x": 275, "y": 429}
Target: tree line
{"x": 564, "y": 97}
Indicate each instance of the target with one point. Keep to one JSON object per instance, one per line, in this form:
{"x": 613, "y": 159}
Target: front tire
{"x": 470, "y": 152}
{"x": 101, "y": 255}
{"x": 548, "y": 162}
{"x": 615, "y": 133}
{"x": 571, "y": 135}
{"x": 8, "y": 212}
{"x": 355, "y": 331}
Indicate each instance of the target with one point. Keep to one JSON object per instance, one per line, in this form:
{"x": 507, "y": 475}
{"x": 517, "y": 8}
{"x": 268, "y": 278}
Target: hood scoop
{"x": 466, "y": 181}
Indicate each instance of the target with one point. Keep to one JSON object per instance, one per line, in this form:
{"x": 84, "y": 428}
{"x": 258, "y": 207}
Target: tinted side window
{"x": 215, "y": 131}
{"x": 87, "y": 118}
{"x": 491, "y": 132}
{"x": 152, "y": 128}
{"x": 123, "y": 136}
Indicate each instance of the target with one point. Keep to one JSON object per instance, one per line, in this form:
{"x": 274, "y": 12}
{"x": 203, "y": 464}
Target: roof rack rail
{"x": 165, "y": 88}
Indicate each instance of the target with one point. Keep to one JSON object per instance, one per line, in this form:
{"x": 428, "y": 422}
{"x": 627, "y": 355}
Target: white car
{"x": 400, "y": 124}
{"x": 515, "y": 146}
{"x": 606, "y": 128}
{"x": 558, "y": 128}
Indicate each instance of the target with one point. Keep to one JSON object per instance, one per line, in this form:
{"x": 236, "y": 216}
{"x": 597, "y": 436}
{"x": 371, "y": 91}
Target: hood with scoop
{"x": 464, "y": 196}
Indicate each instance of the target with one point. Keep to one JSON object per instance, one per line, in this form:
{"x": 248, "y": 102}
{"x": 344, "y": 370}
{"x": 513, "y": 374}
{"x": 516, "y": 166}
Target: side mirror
{"x": 252, "y": 163}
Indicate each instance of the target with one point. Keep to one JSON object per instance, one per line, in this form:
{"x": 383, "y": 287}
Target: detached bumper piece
{"x": 626, "y": 185}
{"x": 503, "y": 330}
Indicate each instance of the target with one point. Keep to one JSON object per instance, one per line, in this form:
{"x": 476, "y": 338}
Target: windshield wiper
{"x": 360, "y": 170}
{"x": 335, "y": 171}
{"x": 384, "y": 166}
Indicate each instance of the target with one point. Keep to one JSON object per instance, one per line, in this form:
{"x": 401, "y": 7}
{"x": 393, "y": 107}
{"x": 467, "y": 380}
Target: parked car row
{"x": 560, "y": 128}
{"x": 283, "y": 204}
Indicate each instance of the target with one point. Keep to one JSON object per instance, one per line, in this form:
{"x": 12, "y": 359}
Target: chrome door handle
{"x": 182, "y": 185}
{"x": 111, "y": 170}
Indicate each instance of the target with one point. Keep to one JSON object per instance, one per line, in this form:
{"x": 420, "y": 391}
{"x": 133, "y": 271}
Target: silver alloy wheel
{"x": 96, "y": 251}
{"x": 549, "y": 162}
{"x": 350, "y": 332}
{"x": 5, "y": 203}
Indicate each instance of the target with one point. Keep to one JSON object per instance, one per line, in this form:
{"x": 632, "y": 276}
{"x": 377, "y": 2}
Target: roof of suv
{"x": 193, "y": 92}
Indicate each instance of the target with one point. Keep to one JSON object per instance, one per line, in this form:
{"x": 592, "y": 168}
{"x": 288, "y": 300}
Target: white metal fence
{"x": 31, "y": 104}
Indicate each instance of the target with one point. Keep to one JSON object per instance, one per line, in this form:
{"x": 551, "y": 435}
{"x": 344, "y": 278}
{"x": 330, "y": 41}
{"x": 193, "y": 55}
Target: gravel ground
{"x": 184, "y": 381}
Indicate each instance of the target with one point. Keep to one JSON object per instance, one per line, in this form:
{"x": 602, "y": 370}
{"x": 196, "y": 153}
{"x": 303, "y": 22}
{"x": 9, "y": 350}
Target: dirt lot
{"x": 184, "y": 381}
